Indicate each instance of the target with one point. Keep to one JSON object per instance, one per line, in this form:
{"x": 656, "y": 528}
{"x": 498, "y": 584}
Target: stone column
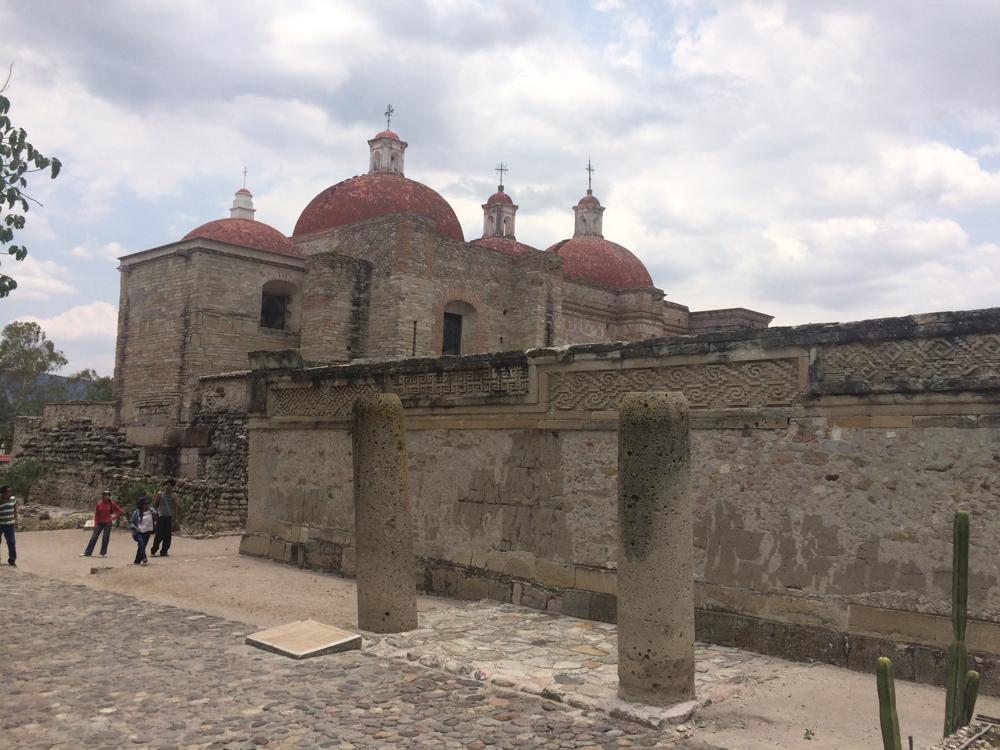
{"x": 656, "y": 550}
{"x": 387, "y": 593}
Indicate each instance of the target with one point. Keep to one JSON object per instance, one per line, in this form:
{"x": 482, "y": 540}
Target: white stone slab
{"x": 303, "y": 639}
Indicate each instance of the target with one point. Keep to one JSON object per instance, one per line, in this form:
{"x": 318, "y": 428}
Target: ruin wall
{"x": 826, "y": 463}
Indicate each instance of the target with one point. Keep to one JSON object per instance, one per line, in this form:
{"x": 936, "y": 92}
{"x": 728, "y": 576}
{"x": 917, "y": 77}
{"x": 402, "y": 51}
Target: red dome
{"x": 589, "y": 200}
{"x": 386, "y": 134}
{"x": 505, "y": 245}
{"x": 369, "y": 196}
{"x": 244, "y": 191}
{"x": 245, "y": 232}
{"x": 599, "y": 261}
{"x": 499, "y": 197}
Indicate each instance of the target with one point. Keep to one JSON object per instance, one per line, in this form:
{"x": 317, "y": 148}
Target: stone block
{"x": 555, "y": 575}
{"x": 472, "y": 587}
{"x": 576, "y": 603}
{"x": 858, "y": 421}
{"x": 604, "y": 607}
{"x": 891, "y": 422}
{"x": 277, "y": 549}
{"x": 597, "y": 580}
{"x": 947, "y": 420}
{"x": 521, "y": 565}
{"x": 256, "y": 545}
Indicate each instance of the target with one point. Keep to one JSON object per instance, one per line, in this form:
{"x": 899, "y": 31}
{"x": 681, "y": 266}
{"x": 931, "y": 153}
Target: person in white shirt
{"x": 142, "y": 520}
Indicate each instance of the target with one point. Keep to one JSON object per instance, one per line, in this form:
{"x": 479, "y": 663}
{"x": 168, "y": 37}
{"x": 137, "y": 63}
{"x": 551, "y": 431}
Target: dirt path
{"x": 772, "y": 708}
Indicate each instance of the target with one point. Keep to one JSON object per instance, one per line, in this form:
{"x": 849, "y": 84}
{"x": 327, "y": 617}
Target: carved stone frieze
{"x": 326, "y": 400}
{"x": 976, "y": 356}
{"x": 709, "y": 386}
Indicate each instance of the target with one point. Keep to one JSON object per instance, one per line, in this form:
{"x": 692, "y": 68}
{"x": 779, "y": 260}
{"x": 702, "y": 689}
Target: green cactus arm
{"x": 960, "y": 574}
{"x": 971, "y": 693}
{"x": 888, "y": 718}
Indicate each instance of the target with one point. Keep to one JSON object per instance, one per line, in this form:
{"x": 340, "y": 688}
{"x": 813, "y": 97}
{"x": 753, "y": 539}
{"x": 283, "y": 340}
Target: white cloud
{"x": 109, "y": 251}
{"x": 38, "y": 279}
{"x": 814, "y": 160}
{"x": 95, "y": 321}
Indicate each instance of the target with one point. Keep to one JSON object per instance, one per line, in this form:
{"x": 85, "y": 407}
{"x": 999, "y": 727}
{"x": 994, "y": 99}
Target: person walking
{"x": 142, "y": 526}
{"x": 105, "y": 513}
{"x": 163, "y": 503}
{"x": 8, "y": 520}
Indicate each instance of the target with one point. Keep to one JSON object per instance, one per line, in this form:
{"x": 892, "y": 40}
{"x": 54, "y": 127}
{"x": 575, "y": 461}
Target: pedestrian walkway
{"x": 91, "y": 669}
{"x": 561, "y": 658}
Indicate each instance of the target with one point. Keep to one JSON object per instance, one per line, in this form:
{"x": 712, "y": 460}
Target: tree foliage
{"x": 18, "y": 160}
{"x": 26, "y": 356}
{"x": 98, "y": 387}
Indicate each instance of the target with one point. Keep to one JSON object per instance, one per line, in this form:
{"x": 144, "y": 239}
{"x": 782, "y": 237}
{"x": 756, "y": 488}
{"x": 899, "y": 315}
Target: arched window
{"x": 275, "y": 305}
{"x": 459, "y": 328}
{"x": 392, "y": 163}
{"x": 490, "y": 225}
{"x": 506, "y": 226}
{"x": 377, "y": 160}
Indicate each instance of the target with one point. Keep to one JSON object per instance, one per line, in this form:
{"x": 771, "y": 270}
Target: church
{"x": 377, "y": 267}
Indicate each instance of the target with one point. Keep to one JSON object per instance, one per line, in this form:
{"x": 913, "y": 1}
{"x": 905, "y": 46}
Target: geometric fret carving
{"x": 318, "y": 400}
{"x": 325, "y": 400}
{"x": 507, "y": 381}
{"x": 756, "y": 384}
{"x": 974, "y": 356}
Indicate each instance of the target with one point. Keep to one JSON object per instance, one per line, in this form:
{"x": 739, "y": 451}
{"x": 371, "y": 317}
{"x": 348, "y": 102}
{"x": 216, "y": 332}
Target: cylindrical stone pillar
{"x": 387, "y": 592}
{"x": 656, "y": 550}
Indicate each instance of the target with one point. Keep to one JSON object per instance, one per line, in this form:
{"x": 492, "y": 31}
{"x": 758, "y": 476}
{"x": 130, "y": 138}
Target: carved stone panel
{"x": 927, "y": 359}
{"x": 731, "y": 385}
{"x": 326, "y": 400}
{"x": 318, "y": 400}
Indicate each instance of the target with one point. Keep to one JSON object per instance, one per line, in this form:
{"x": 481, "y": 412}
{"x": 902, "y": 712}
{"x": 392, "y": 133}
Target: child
{"x": 105, "y": 514}
{"x": 142, "y": 521}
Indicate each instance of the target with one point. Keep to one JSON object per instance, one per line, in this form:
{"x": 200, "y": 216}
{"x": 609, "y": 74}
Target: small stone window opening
{"x": 273, "y": 311}
{"x": 452, "y": 343}
{"x": 506, "y": 227}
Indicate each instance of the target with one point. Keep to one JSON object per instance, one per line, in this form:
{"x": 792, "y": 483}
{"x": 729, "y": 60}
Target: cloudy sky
{"x": 818, "y": 160}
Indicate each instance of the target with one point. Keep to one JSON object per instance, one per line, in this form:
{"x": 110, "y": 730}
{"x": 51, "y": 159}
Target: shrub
{"x": 22, "y": 476}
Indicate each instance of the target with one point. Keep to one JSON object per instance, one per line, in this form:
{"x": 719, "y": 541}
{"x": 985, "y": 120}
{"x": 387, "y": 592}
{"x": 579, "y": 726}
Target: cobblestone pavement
{"x": 562, "y": 658}
{"x": 90, "y": 669}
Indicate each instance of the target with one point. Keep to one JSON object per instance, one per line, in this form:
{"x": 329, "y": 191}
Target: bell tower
{"x": 589, "y": 211}
{"x": 386, "y": 149}
{"x": 499, "y": 211}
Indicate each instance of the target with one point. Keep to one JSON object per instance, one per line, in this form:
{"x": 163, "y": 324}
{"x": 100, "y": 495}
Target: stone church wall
{"x": 189, "y": 311}
{"x": 827, "y": 461}
{"x": 416, "y": 273}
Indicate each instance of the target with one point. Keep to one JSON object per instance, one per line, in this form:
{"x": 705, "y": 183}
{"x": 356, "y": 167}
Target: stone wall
{"x": 189, "y": 310}
{"x": 827, "y": 461}
{"x": 81, "y": 448}
{"x": 85, "y": 454}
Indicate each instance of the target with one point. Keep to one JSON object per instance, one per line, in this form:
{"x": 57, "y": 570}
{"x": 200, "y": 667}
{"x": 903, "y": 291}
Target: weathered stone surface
{"x": 214, "y": 692}
{"x": 387, "y": 594}
{"x": 656, "y": 557}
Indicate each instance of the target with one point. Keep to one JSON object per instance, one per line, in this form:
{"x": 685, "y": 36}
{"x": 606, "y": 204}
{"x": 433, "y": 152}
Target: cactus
{"x": 955, "y": 711}
{"x": 889, "y": 720}
{"x": 971, "y": 693}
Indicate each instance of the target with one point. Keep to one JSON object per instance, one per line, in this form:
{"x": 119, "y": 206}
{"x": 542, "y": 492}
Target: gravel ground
{"x": 92, "y": 669}
{"x": 767, "y": 703}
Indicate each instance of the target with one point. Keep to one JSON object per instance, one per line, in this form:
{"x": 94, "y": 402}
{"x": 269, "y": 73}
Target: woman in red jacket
{"x": 105, "y": 514}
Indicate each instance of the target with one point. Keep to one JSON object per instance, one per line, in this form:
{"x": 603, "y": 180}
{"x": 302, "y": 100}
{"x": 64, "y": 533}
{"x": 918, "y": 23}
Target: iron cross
{"x": 244, "y": 176}
{"x": 388, "y": 115}
{"x": 590, "y": 175}
{"x": 502, "y": 169}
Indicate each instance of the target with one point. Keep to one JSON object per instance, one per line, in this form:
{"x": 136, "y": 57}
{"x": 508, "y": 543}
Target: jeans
{"x": 141, "y": 539}
{"x": 7, "y": 531}
{"x": 98, "y": 528}
{"x": 161, "y": 540}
